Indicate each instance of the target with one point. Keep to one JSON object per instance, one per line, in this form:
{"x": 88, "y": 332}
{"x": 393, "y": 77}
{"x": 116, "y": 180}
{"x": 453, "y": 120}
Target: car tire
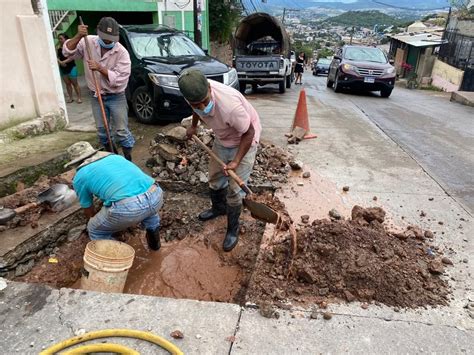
{"x": 385, "y": 92}
{"x": 242, "y": 87}
{"x": 288, "y": 81}
{"x": 337, "y": 85}
{"x": 329, "y": 82}
{"x": 143, "y": 106}
{"x": 282, "y": 86}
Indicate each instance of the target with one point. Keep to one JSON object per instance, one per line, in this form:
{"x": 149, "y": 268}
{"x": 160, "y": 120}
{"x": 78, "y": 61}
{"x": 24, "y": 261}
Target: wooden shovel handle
{"x": 232, "y": 173}
{"x": 26, "y": 207}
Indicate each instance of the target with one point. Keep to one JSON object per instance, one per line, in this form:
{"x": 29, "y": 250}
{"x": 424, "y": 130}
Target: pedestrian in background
{"x": 111, "y": 60}
{"x": 299, "y": 69}
{"x": 68, "y": 70}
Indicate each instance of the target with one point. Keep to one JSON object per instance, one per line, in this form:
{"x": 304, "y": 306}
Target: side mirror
{"x": 391, "y": 61}
{"x": 206, "y": 51}
{"x": 337, "y": 57}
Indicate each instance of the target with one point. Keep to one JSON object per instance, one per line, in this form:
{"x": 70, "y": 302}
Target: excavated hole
{"x": 190, "y": 264}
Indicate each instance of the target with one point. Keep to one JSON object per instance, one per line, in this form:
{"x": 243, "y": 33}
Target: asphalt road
{"x": 437, "y": 133}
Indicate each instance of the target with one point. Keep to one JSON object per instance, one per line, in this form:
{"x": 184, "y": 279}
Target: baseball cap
{"x": 108, "y": 29}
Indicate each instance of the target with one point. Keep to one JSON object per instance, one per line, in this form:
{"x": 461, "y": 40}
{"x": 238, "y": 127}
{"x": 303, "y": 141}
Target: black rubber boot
{"x": 232, "y": 235}
{"x": 218, "y": 199}
{"x": 153, "y": 239}
{"x": 127, "y": 153}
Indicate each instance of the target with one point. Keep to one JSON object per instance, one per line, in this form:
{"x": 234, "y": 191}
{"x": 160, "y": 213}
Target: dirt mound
{"x": 351, "y": 260}
{"x": 175, "y": 159}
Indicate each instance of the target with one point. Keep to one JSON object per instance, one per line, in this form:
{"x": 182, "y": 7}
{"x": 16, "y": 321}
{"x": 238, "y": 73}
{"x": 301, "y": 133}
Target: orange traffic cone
{"x": 301, "y": 116}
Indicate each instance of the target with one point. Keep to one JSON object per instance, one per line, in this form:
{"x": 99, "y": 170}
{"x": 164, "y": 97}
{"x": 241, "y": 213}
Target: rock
{"x": 417, "y": 232}
{"x": 79, "y": 332}
{"x": 164, "y": 175}
{"x": 431, "y": 199}
{"x": 151, "y": 162}
{"x": 180, "y": 169}
{"x": 177, "y": 334}
{"x": 187, "y": 122}
{"x": 266, "y": 310}
{"x": 327, "y": 315}
{"x": 446, "y": 261}
{"x": 23, "y": 269}
{"x": 422, "y": 214}
{"x": 440, "y": 223}
{"x": 465, "y": 261}
{"x": 3, "y": 284}
{"x": 375, "y": 198}
{"x": 177, "y": 134}
{"x": 75, "y": 232}
{"x": 206, "y": 139}
{"x": 170, "y": 165}
{"x": 349, "y": 296}
{"x": 335, "y": 214}
{"x": 296, "y": 165}
{"x": 364, "y": 305}
{"x": 323, "y": 291}
{"x": 368, "y": 214}
{"x": 429, "y": 234}
{"x": 306, "y": 175}
{"x": 436, "y": 267}
{"x": 168, "y": 152}
{"x": 305, "y": 218}
{"x": 299, "y": 184}
{"x": 314, "y": 315}
{"x": 345, "y": 188}
{"x": 202, "y": 177}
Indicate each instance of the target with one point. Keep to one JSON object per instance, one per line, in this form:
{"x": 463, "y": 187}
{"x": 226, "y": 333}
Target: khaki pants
{"x": 217, "y": 179}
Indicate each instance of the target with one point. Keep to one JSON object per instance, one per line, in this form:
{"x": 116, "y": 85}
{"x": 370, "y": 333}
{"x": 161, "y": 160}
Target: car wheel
{"x": 337, "y": 85}
{"x": 142, "y": 103}
{"x": 288, "y": 81}
{"x": 385, "y": 92}
{"x": 242, "y": 87}
{"x": 282, "y": 87}
{"x": 329, "y": 82}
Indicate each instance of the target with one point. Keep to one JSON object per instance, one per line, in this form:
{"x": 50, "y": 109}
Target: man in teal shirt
{"x": 129, "y": 196}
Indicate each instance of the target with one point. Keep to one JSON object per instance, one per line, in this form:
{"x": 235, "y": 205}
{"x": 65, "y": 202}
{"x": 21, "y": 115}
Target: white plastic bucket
{"x": 106, "y": 265}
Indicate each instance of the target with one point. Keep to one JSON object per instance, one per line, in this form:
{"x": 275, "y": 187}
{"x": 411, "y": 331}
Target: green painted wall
{"x": 102, "y": 5}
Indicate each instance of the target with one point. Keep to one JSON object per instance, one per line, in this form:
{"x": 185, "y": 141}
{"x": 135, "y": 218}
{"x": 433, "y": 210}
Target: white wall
{"x": 29, "y": 80}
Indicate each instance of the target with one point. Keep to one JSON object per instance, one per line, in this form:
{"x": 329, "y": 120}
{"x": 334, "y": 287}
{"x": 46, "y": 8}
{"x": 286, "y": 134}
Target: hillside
{"x": 363, "y": 19}
{"x": 353, "y": 5}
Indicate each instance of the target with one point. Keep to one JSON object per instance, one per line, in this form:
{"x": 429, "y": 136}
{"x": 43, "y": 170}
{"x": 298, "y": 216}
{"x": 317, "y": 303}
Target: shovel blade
{"x": 59, "y": 197}
{"x": 261, "y": 211}
{"x": 6, "y": 214}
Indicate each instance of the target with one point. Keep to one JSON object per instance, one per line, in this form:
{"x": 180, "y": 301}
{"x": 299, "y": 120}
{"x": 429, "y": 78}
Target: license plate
{"x": 258, "y": 65}
{"x": 369, "y": 80}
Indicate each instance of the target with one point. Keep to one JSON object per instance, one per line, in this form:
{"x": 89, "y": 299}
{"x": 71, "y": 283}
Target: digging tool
{"x": 258, "y": 210}
{"x": 58, "y": 197}
{"x": 112, "y": 147}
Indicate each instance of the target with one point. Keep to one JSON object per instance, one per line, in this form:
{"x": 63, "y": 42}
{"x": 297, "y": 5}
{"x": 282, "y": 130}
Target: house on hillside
{"x": 416, "y": 50}
{"x": 454, "y": 69}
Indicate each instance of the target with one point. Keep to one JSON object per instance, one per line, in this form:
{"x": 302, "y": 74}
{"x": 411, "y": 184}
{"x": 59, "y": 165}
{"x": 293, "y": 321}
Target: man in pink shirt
{"x": 111, "y": 60}
{"x": 237, "y": 128}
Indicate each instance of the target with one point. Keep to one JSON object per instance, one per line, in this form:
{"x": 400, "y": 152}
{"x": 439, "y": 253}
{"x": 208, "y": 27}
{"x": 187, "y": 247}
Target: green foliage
{"x": 325, "y": 53}
{"x": 364, "y": 19}
{"x": 224, "y": 16}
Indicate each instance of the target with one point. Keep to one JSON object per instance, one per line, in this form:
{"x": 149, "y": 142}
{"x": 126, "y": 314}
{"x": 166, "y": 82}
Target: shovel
{"x": 58, "y": 197}
{"x": 258, "y": 210}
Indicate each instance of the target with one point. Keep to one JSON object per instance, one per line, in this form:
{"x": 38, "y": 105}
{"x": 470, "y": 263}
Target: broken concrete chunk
{"x": 187, "y": 122}
{"x": 306, "y": 174}
{"x": 335, "y": 214}
{"x": 75, "y": 232}
{"x": 177, "y": 134}
{"x": 296, "y": 164}
{"x": 168, "y": 152}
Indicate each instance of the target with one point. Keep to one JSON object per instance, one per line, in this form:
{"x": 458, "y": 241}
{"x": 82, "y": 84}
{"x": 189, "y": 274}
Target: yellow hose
{"x": 107, "y": 333}
{"x": 99, "y": 348}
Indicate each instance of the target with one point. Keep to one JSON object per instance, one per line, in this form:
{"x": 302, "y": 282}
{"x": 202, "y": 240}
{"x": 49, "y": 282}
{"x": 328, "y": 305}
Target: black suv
{"x": 158, "y": 55}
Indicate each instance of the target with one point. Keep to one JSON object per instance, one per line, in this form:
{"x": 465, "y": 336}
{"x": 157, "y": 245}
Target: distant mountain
{"x": 357, "y": 5}
{"x": 364, "y": 19}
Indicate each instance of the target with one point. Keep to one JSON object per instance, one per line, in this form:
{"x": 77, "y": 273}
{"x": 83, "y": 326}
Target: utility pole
{"x": 352, "y": 34}
{"x": 197, "y": 22}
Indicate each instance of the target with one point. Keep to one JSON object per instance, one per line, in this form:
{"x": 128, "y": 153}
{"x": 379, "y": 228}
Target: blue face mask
{"x": 106, "y": 46}
{"x": 207, "y": 110}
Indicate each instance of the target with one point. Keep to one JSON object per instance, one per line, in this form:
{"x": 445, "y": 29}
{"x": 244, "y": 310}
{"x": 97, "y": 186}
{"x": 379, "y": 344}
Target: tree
{"x": 325, "y": 53}
{"x": 224, "y": 16}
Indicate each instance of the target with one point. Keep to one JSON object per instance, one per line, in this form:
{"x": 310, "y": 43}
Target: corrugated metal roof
{"x": 420, "y": 39}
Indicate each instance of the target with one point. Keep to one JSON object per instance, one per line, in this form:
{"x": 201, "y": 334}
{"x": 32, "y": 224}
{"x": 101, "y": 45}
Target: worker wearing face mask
{"x": 237, "y": 128}
{"x": 111, "y": 60}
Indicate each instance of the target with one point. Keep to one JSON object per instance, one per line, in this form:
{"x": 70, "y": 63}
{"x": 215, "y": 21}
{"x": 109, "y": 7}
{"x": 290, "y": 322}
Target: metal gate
{"x": 468, "y": 80}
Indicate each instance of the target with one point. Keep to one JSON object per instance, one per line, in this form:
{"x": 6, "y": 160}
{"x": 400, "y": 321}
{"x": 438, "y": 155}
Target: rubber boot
{"x": 153, "y": 239}
{"x": 218, "y": 200}
{"x": 232, "y": 235}
{"x": 127, "y": 153}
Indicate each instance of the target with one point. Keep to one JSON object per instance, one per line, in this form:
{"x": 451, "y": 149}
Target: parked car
{"x": 321, "y": 66}
{"x": 361, "y": 68}
{"x": 158, "y": 55}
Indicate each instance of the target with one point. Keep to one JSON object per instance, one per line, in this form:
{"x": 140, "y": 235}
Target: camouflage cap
{"x": 193, "y": 85}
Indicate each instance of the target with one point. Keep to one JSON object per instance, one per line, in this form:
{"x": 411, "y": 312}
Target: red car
{"x": 361, "y": 68}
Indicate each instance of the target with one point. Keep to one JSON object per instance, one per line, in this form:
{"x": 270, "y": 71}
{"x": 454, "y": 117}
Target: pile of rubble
{"x": 174, "y": 158}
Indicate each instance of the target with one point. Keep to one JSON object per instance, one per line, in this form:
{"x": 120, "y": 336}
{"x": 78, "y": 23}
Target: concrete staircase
{"x": 60, "y": 21}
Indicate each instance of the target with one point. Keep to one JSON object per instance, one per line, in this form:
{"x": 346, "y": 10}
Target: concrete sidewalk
{"x": 350, "y": 150}
{"x": 463, "y": 97}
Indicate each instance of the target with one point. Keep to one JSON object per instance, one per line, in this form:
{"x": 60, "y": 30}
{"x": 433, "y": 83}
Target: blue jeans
{"x": 116, "y": 110}
{"x": 217, "y": 179}
{"x": 127, "y": 213}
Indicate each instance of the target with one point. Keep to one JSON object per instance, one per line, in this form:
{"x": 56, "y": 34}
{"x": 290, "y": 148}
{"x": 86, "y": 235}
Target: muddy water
{"x": 190, "y": 268}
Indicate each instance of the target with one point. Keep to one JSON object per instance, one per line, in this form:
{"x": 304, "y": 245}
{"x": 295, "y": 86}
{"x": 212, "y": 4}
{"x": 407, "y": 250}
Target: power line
{"x": 408, "y": 8}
